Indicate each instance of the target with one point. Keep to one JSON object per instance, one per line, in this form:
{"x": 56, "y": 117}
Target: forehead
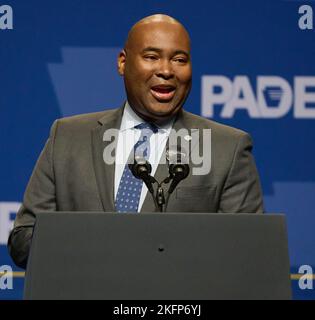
{"x": 162, "y": 35}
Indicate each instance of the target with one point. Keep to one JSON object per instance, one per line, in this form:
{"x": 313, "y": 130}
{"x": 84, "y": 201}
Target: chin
{"x": 163, "y": 109}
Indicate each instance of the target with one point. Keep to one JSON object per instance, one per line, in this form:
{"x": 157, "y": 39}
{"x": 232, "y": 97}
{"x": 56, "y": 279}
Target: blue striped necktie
{"x": 129, "y": 190}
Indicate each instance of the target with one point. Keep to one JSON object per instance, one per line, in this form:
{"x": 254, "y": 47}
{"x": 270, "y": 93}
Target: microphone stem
{"x": 157, "y": 207}
{"x": 160, "y": 199}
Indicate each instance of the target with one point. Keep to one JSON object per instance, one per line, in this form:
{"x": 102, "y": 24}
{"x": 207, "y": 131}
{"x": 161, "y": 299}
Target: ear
{"x": 121, "y": 62}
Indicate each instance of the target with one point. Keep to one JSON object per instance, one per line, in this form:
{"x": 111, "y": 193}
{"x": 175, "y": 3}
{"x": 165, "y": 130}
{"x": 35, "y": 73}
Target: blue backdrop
{"x": 253, "y": 68}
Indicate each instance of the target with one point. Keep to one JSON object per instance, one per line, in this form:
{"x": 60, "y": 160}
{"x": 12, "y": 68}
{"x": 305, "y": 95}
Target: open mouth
{"x": 163, "y": 92}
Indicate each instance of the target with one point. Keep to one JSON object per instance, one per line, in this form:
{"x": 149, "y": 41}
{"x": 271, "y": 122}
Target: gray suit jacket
{"x": 70, "y": 175}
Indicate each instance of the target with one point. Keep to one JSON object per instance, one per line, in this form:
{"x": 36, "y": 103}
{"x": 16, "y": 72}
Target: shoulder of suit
{"x": 217, "y": 128}
{"x": 80, "y": 125}
{"x": 87, "y": 118}
{"x": 83, "y": 122}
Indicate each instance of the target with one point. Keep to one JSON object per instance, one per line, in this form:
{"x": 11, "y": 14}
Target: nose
{"x": 165, "y": 69}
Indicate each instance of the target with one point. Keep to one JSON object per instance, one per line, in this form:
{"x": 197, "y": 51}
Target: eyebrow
{"x": 158, "y": 50}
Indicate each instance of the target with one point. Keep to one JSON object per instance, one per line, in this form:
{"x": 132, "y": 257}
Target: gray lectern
{"x": 77, "y": 255}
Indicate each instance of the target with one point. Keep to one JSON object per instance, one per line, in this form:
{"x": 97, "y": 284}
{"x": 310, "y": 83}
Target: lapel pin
{"x": 188, "y": 138}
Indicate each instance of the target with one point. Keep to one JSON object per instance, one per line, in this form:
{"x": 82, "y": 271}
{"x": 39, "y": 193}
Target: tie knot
{"x": 145, "y": 126}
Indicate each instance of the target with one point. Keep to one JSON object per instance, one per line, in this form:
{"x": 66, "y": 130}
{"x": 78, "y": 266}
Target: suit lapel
{"x": 105, "y": 172}
{"x": 184, "y": 121}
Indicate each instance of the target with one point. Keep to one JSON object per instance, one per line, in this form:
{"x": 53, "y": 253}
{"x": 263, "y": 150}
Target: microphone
{"x": 178, "y": 169}
{"x": 179, "y": 172}
{"x": 141, "y": 169}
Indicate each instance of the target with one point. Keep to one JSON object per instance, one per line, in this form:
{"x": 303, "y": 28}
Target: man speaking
{"x": 71, "y": 173}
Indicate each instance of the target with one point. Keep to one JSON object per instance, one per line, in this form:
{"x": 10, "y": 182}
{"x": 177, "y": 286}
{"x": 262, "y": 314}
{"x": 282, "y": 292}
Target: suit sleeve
{"x": 39, "y": 196}
{"x": 242, "y": 190}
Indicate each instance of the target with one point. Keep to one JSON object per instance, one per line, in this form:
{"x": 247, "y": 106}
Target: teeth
{"x": 163, "y": 94}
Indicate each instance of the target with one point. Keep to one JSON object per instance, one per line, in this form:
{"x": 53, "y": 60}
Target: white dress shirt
{"x": 128, "y": 137}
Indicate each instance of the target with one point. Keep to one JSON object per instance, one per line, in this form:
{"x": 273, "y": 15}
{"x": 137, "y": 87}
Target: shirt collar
{"x": 130, "y": 119}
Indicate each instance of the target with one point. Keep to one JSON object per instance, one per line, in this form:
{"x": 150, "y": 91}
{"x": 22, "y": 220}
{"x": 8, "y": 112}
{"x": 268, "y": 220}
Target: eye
{"x": 150, "y": 57}
{"x": 180, "y": 60}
